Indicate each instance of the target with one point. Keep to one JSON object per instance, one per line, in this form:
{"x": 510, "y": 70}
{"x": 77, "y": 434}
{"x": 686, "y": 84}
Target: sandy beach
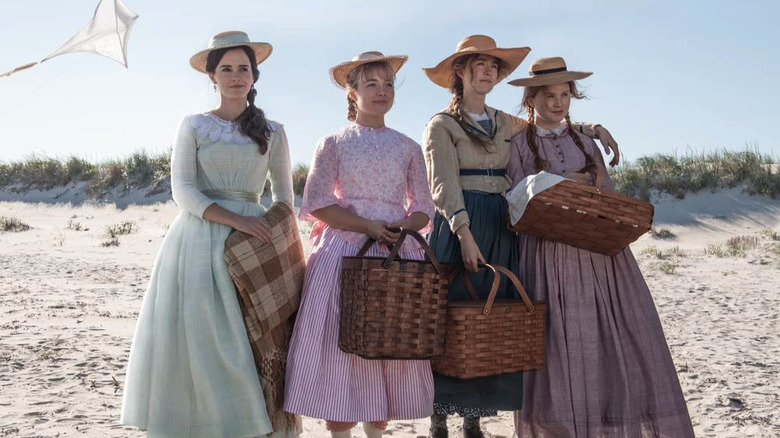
{"x": 70, "y": 295}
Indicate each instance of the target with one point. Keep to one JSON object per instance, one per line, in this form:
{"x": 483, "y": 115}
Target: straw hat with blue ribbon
{"x": 548, "y": 71}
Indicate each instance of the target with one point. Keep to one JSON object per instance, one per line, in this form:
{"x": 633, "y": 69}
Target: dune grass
{"x": 690, "y": 173}
{"x": 749, "y": 169}
{"x": 12, "y": 224}
{"x": 138, "y": 170}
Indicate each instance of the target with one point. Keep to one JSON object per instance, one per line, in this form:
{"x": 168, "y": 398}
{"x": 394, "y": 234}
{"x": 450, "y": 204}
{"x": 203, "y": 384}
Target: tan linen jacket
{"x": 448, "y": 149}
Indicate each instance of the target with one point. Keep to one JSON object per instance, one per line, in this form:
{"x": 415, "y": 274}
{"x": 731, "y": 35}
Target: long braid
{"x": 589, "y": 161}
{"x": 540, "y": 163}
{"x": 253, "y": 124}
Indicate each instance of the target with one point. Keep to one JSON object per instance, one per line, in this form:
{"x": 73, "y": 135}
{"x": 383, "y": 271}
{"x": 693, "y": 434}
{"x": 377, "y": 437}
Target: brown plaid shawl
{"x": 268, "y": 277}
{"x": 269, "y": 280}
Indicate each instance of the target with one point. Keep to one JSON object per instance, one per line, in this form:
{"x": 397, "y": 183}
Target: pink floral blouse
{"x": 376, "y": 173}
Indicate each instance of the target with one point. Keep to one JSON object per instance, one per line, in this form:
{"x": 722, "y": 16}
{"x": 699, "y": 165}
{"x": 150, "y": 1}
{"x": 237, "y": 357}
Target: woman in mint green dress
{"x": 191, "y": 372}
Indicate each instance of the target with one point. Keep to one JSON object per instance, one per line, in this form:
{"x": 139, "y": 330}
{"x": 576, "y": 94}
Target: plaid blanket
{"x": 269, "y": 280}
{"x": 268, "y": 277}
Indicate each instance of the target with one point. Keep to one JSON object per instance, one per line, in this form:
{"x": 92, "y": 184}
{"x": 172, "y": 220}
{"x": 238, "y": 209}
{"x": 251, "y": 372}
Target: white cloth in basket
{"x": 530, "y": 186}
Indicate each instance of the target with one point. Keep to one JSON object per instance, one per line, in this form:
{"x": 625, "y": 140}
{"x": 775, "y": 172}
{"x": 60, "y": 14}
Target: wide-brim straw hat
{"x": 339, "y": 73}
{"x": 442, "y": 74}
{"x": 225, "y": 40}
{"x": 548, "y": 71}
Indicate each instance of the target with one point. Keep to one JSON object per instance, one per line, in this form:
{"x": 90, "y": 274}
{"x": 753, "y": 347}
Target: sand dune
{"x": 68, "y": 307}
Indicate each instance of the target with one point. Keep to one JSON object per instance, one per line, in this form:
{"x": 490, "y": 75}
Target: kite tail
{"x": 24, "y": 67}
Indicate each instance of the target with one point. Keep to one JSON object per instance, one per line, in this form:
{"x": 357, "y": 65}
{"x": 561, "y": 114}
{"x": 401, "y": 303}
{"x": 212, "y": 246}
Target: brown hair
{"x": 528, "y": 95}
{"x": 456, "y": 88}
{"x": 354, "y": 77}
{"x": 252, "y": 121}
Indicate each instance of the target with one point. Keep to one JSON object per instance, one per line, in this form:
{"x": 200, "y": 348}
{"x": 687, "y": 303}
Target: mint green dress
{"x": 191, "y": 372}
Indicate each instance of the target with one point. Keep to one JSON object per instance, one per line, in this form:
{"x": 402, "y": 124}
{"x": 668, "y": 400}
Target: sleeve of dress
{"x": 321, "y": 182}
{"x": 418, "y": 193}
{"x": 279, "y": 168}
{"x": 441, "y": 157}
{"x": 184, "y": 171}
{"x": 516, "y": 169}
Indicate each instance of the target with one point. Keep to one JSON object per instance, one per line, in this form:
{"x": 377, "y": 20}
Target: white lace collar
{"x": 558, "y": 130}
{"x": 216, "y": 129}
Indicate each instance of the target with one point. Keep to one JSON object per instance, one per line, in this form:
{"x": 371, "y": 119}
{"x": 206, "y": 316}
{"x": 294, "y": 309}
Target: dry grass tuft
{"x": 12, "y": 224}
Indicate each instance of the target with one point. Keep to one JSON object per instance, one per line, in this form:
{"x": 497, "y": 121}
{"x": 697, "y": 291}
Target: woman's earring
{"x": 215, "y": 88}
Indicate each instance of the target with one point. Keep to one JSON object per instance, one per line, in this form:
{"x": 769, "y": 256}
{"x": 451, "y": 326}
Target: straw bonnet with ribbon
{"x": 339, "y": 73}
{"x": 548, "y": 71}
{"x": 481, "y": 45}
{"x": 226, "y": 40}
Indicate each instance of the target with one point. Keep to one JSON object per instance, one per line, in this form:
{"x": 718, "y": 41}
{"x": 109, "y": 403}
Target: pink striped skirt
{"x": 323, "y": 381}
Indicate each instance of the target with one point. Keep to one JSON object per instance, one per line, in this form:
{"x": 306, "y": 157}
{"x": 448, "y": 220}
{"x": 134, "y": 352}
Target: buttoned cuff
{"x": 458, "y": 219}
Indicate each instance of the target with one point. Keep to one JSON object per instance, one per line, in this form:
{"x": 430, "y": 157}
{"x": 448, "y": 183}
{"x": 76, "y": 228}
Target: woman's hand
{"x": 254, "y": 226}
{"x": 415, "y": 222}
{"x": 469, "y": 250}
{"x": 609, "y": 144}
{"x": 378, "y": 230}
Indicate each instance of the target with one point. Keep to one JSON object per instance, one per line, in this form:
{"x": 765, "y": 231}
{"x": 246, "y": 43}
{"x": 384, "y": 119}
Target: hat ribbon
{"x": 548, "y": 71}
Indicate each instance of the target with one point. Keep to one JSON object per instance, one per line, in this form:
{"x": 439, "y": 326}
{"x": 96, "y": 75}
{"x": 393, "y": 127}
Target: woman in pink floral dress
{"x": 365, "y": 180}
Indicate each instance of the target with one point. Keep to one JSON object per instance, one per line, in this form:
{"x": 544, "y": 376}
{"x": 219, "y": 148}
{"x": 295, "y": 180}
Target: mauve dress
{"x": 608, "y": 371}
{"x": 378, "y": 174}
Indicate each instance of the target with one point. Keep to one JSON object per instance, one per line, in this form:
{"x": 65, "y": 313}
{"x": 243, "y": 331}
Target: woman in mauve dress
{"x": 365, "y": 179}
{"x": 608, "y": 370}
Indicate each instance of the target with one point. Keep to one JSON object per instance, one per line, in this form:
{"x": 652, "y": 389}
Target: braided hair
{"x": 540, "y": 163}
{"x": 251, "y": 122}
{"x": 456, "y": 88}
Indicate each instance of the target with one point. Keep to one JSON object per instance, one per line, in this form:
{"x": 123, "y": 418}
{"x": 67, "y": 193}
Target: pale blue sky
{"x": 668, "y": 75}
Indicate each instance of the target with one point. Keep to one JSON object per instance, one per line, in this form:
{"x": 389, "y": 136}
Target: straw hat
{"x": 548, "y": 71}
{"x": 477, "y": 44}
{"x": 230, "y": 39}
{"x": 339, "y": 73}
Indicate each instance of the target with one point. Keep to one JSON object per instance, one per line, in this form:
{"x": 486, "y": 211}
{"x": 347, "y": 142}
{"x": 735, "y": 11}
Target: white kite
{"x": 106, "y": 34}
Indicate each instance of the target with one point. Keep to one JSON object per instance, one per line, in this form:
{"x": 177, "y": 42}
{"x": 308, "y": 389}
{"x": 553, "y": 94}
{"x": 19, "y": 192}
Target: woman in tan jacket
{"x": 466, "y": 151}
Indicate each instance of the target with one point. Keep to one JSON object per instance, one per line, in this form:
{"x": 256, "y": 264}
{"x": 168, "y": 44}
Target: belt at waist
{"x": 233, "y": 195}
{"x": 482, "y": 172}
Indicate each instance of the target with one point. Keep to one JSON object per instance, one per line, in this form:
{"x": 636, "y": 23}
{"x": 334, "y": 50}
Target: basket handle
{"x": 494, "y": 287}
{"x": 397, "y": 247}
{"x": 423, "y": 244}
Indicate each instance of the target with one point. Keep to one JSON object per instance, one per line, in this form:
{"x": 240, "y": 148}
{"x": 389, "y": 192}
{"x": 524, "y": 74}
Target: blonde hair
{"x": 355, "y": 76}
{"x": 528, "y": 95}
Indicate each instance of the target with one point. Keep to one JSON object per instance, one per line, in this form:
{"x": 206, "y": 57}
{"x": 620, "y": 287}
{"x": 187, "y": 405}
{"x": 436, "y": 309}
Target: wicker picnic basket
{"x": 491, "y": 337}
{"x": 393, "y": 308}
{"x": 585, "y": 217}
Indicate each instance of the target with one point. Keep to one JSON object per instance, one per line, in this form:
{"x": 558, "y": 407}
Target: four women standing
{"x": 191, "y": 371}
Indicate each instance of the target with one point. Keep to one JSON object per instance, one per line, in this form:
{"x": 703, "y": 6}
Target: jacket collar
{"x": 477, "y": 128}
